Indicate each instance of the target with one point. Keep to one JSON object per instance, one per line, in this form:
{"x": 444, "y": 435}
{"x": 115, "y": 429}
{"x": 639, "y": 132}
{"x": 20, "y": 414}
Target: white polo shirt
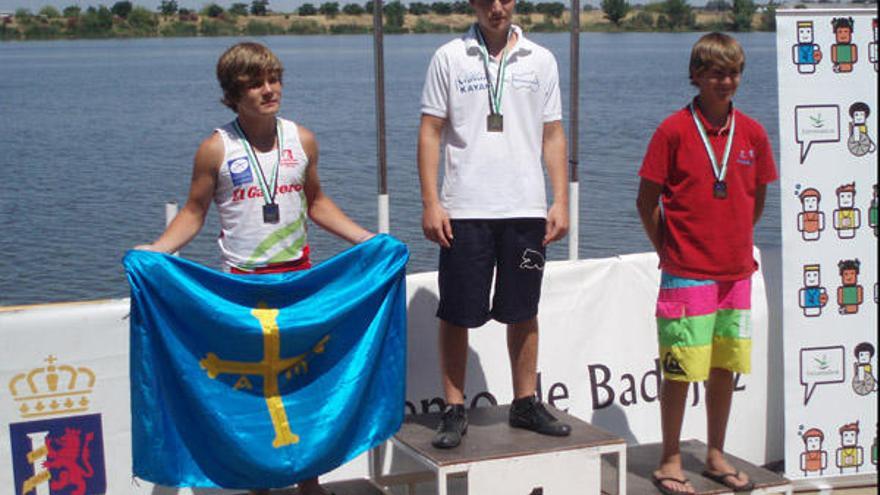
{"x": 492, "y": 174}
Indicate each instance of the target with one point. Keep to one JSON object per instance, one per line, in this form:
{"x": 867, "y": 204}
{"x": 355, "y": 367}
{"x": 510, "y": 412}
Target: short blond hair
{"x": 244, "y": 64}
{"x": 716, "y": 50}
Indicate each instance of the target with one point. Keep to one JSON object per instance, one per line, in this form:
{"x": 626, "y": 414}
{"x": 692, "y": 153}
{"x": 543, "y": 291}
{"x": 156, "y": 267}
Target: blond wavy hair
{"x": 716, "y": 50}
{"x": 243, "y": 65}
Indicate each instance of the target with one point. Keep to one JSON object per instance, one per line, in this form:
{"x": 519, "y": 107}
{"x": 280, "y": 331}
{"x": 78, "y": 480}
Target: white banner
{"x": 827, "y": 68}
{"x": 64, "y": 405}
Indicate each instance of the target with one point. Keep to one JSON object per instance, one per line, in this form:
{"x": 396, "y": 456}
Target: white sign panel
{"x": 64, "y": 391}
{"x": 827, "y": 68}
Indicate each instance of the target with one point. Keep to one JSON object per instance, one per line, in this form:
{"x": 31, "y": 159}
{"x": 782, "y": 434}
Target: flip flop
{"x": 665, "y": 490}
{"x": 724, "y": 479}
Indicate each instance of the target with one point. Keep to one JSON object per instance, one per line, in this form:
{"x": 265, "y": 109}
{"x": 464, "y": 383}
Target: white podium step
{"x": 499, "y": 460}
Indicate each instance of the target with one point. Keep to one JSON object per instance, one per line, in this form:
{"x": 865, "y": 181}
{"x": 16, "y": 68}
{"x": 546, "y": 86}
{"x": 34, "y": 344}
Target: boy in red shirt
{"x": 703, "y": 184}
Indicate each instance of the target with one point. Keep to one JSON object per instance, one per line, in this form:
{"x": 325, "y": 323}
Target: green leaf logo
{"x": 817, "y": 121}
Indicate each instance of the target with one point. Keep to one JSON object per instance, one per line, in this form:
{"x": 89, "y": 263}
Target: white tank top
{"x": 246, "y": 241}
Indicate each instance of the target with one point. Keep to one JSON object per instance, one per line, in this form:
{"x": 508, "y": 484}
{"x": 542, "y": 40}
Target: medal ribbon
{"x": 255, "y": 162}
{"x": 496, "y": 92}
{"x": 720, "y": 173}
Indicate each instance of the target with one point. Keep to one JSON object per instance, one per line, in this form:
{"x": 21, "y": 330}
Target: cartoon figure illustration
{"x": 812, "y": 297}
{"x": 872, "y": 212}
{"x": 874, "y": 451}
{"x": 844, "y": 53}
{"x": 849, "y": 454}
{"x": 872, "y": 46}
{"x": 859, "y": 143}
{"x": 864, "y": 382}
{"x": 847, "y": 218}
{"x": 811, "y": 221}
{"x": 814, "y": 460}
{"x": 850, "y": 293}
{"x": 805, "y": 54}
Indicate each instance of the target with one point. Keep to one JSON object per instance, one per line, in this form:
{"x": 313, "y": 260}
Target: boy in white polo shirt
{"x": 491, "y": 103}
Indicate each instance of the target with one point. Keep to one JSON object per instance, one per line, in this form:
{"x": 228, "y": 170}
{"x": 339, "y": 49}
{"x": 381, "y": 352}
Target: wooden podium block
{"x": 642, "y": 461}
{"x": 347, "y": 487}
{"x": 501, "y": 460}
{"x": 354, "y": 487}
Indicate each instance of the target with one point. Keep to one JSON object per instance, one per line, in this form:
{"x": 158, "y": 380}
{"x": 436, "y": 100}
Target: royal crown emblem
{"x": 52, "y": 390}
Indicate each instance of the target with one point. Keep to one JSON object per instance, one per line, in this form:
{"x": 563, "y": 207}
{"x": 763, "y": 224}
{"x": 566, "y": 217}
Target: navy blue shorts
{"x": 509, "y": 248}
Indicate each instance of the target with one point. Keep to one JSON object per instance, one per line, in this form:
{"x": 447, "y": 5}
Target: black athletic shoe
{"x": 453, "y": 426}
{"x": 529, "y": 414}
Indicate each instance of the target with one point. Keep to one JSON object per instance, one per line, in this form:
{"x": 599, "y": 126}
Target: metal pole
{"x": 379, "y": 66}
{"x": 574, "y": 98}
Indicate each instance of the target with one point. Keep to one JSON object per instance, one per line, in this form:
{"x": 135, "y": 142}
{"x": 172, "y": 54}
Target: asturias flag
{"x": 242, "y": 381}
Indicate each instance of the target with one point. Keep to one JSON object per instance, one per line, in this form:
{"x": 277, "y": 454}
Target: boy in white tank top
{"x": 262, "y": 172}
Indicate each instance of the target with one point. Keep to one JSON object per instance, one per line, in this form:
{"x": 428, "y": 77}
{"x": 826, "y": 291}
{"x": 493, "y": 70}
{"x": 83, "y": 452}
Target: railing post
{"x": 574, "y": 100}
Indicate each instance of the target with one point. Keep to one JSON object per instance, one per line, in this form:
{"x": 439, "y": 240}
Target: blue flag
{"x": 242, "y": 381}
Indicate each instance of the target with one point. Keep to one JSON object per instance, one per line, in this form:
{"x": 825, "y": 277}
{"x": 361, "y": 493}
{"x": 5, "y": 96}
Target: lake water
{"x": 95, "y": 137}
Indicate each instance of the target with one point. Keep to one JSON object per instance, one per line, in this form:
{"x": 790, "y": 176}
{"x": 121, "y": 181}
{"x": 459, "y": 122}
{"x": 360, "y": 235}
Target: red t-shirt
{"x": 703, "y": 237}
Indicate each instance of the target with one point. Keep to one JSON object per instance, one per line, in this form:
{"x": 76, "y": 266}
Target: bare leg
{"x": 522, "y": 347}
{"x": 672, "y": 404}
{"x": 719, "y": 395}
{"x": 311, "y": 487}
{"x": 453, "y": 360}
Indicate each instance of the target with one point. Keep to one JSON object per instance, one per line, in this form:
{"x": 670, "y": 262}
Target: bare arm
{"x": 188, "y": 222}
{"x": 760, "y": 196}
{"x": 322, "y": 210}
{"x": 554, "y": 150}
{"x": 649, "y": 210}
{"x": 435, "y": 219}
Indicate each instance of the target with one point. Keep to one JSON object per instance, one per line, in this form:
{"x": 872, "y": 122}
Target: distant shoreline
{"x": 152, "y": 25}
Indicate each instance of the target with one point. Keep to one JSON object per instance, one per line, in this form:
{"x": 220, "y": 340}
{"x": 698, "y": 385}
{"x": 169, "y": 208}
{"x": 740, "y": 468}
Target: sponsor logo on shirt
{"x": 525, "y": 80}
{"x": 242, "y": 193}
{"x": 287, "y": 159}
{"x": 469, "y": 82}
{"x": 746, "y": 157}
{"x": 240, "y": 171}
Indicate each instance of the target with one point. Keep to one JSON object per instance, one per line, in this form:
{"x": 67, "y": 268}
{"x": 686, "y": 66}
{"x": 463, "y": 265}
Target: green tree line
{"x": 675, "y": 15}
{"x": 125, "y": 19}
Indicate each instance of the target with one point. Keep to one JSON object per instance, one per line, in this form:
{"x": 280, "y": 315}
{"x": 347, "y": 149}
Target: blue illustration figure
{"x": 812, "y": 297}
{"x": 805, "y": 54}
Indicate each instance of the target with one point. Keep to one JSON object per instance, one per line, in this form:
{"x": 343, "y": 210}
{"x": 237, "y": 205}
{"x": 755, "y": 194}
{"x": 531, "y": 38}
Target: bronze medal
{"x": 495, "y": 122}
{"x": 271, "y": 213}
{"x": 719, "y": 190}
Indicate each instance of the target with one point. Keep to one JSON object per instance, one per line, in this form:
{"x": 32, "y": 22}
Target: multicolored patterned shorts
{"x": 703, "y": 324}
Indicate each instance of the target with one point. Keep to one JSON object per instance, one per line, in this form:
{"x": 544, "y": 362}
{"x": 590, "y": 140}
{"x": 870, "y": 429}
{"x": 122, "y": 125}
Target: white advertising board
{"x": 827, "y": 73}
{"x": 64, "y": 376}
